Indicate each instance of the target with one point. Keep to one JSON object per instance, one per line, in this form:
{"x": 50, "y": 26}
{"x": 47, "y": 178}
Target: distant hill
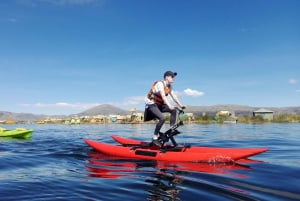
{"x": 24, "y": 116}
{"x": 104, "y": 109}
{"x": 240, "y": 110}
{"x": 107, "y": 109}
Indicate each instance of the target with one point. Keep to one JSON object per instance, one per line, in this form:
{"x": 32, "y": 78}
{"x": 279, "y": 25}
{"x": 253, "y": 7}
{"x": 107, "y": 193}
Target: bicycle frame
{"x": 169, "y": 134}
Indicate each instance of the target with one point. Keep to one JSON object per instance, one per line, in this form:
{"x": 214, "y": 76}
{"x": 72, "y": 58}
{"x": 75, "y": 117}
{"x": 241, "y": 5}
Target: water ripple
{"x": 55, "y": 164}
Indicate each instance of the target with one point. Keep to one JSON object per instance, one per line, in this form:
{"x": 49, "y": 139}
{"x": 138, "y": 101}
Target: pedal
{"x": 173, "y": 149}
{"x": 175, "y": 132}
{"x": 134, "y": 148}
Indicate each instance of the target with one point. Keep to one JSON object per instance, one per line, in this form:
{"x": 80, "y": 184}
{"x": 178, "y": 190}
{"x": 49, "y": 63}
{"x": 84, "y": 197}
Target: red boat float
{"x": 129, "y": 148}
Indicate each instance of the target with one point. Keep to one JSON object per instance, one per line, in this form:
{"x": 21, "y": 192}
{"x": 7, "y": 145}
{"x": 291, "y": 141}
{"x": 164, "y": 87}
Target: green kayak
{"x": 16, "y": 133}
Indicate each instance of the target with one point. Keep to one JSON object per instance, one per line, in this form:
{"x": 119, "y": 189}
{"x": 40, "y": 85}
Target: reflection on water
{"x": 13, "y": 139}
{"x": 164, "y": 179}
{"x": 101, "y": 165}
{"x": 164, "y": 186}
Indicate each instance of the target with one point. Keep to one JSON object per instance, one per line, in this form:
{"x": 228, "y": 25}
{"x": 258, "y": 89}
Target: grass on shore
{"x": 278, "y": 118}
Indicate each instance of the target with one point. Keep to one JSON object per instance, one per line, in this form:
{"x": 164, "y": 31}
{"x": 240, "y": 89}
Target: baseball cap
{"x": 170, "y": 73}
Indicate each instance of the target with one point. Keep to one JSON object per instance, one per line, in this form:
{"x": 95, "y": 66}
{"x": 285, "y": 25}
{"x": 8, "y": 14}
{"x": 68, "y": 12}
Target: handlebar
{"x": 180, "y": 109}
{"x": 180, "y": 112}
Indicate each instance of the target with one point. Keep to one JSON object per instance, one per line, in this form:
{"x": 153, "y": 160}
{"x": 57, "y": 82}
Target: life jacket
{"x": 156, "y": 97}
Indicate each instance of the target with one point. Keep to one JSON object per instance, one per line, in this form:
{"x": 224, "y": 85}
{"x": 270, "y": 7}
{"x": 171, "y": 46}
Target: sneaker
{"x": 157, "y": 142}
{"x": 155, "y": 137}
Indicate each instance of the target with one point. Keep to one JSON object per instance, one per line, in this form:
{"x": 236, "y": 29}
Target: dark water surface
{"x": 55, "y": 164}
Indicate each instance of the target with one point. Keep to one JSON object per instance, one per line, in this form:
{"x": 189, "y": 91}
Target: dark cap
{"x": 170, "y": 73}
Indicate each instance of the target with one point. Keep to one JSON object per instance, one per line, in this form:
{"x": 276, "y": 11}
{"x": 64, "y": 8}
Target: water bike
{"x": 136, "y": 149}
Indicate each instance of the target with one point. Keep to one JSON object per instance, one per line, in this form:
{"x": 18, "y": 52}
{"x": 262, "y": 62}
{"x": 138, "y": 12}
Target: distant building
{"x": 225, "y": 113}
{"x": 75, "y": 121}
{"x": 264, "y": 113}
{"x": 10, "y": 121}
{"x": 190, "y": 116}
{"x": 228, "y": 117}
{"x": 40, "y": 122}
{"x": 135, "y": 116}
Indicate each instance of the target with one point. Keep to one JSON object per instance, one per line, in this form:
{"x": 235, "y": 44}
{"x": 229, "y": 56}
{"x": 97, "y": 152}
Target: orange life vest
{"x": 156, "y": 97}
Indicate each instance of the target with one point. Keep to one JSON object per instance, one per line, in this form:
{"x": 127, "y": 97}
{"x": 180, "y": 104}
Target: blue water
{"x": 55, "y": 164}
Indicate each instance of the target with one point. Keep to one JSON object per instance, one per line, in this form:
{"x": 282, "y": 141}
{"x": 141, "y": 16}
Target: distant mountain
{"x": 104, "y": 109}
{"x": 107, "y": 109}
{"x": 23, "y": 116}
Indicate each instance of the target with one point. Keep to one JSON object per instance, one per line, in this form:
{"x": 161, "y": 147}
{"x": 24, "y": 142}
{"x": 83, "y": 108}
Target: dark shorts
{"x": 154, "y": 111}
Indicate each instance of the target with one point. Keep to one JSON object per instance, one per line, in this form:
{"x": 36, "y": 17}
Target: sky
{"x": 66, "y": 56}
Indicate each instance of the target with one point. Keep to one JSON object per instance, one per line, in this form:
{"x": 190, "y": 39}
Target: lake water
{"x": 55, "y": 164}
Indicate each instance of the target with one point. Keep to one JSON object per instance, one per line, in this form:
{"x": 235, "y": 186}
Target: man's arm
{"x": 176, "y": 100}
{"x": 165, "y": 99}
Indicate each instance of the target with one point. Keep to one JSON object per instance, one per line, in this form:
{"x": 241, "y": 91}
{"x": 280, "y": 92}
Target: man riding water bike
{"x": 157, "y": 103}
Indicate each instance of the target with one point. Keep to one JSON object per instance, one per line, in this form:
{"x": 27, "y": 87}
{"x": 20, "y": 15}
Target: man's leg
{"x": 173, "y": 114}
{"x": 158, "y": 114}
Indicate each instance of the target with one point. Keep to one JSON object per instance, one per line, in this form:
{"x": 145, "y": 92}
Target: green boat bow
{"x": 16, "y": 133}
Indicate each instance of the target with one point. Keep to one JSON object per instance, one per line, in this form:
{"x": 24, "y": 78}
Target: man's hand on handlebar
{"x": 180, "y": 109}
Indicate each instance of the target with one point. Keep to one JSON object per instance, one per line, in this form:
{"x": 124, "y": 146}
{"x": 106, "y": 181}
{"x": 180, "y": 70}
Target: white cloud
{"x": 62, "y": 105}
{"x": 298, "y": 90}
{"x": 189, "y": 92}
{"x": 193, "y": 93}
{"x": 293, "y": 81}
